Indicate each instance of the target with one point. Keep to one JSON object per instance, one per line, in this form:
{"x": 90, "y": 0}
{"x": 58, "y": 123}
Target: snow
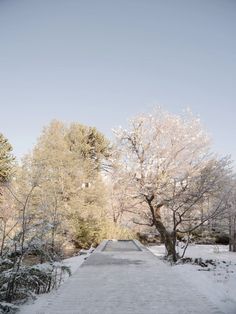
{"x": 217, "y": 283}
{"x": 74, "y": 263}
{"x": 136, "y": 282}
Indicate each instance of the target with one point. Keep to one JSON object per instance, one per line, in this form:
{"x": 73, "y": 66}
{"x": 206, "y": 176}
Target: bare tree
{"x": 170, "y": 167}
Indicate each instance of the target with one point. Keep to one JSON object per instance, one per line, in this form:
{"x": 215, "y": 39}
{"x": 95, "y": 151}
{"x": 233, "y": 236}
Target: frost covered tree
{"x": 172, "y": 171}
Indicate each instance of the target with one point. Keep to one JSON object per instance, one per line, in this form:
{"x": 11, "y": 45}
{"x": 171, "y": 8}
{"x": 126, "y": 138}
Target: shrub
{"x": 91, "y": 231}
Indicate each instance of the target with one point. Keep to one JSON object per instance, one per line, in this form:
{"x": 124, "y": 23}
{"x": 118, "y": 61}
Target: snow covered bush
{"x": 18, "y": 283}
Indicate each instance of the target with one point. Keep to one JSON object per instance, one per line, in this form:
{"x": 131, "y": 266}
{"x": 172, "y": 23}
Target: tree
{"x": 68, "y": 161}
{"x": 232, "y": 219}
{"x": 88, "y": 144}
{"x": 6, "y": 159}
{"x": 21, "y": 241}
{"x": 6, "y": 210}
{"x": 172, "y": 171}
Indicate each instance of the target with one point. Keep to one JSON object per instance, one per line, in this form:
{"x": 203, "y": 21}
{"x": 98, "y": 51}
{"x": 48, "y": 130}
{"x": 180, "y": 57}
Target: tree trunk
{"x": 167, "y": 239}
{"x": 3, "y": 238}
{"x": 232, "y": 234}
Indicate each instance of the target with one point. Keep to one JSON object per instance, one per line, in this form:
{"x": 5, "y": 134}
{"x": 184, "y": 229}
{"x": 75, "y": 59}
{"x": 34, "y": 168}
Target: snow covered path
{"x": 123, "y": 280}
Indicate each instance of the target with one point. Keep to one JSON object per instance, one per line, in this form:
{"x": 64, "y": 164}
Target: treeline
{"x": 56, "y": 199}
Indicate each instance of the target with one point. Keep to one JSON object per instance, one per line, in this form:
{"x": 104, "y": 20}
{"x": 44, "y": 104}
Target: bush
{"x": 19, "y": 282}
{"x": 222, "y": 239}
{"x": 8, "y": 308}
{"x": 91, "y": 231}
{"x": 210, "y": 237}
{"x": 149, "y": 238}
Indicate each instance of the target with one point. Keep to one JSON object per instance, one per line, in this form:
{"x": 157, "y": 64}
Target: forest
{"x": 157, "y": 180}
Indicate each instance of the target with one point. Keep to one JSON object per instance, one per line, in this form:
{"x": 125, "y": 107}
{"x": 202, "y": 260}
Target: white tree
{"x": 171, "y": 169}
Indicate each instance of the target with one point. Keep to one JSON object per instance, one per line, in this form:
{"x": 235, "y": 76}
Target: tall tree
{"x": 68, "y": 161}
{"x": 171, "y": 170}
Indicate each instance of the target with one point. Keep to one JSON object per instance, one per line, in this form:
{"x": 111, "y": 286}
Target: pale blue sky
{"x": 101, "y": 62}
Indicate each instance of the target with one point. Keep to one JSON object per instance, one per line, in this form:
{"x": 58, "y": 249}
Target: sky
{"x": 102, "y": 62}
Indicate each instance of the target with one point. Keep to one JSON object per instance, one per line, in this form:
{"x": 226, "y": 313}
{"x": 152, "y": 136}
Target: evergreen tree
{"x": 6, "y": 159}
{"x": 66, "y": 163}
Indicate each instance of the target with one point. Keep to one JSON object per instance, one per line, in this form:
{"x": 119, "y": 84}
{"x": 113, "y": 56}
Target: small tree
{"x": 170, "y": 167}
{"x": 22, "y": 240}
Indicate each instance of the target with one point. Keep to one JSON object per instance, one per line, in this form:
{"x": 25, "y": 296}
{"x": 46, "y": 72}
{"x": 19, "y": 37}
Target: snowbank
{"x": 43, "y": 299}
{"x": 217, "y": 283}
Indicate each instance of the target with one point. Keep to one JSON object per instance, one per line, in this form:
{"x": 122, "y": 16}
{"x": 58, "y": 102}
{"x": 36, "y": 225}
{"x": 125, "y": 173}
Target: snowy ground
{"x": 74, "y": 263}
{"x": 217, "y": 283}
{"x": 122, "y": 282}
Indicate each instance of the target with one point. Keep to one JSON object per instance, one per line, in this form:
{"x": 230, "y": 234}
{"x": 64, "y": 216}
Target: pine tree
{"x": 6, "y": 159}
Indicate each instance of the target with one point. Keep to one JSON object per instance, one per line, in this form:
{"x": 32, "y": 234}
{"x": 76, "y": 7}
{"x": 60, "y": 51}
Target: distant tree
{"x": 171, "y": 170}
